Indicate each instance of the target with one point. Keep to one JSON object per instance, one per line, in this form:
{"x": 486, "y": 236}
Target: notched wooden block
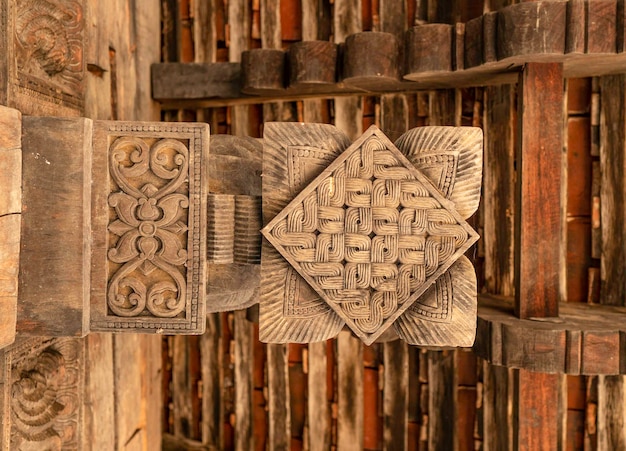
{"x": 149, "y": 227}
{"x": 372, "y": 240}
{"x": 234, "y": 221}
{"x": 41, "y": 393}
{"x": 42, "y": 70}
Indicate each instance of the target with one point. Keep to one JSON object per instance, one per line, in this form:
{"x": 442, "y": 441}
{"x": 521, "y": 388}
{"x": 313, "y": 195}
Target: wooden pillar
{"x": 539, "y": 156}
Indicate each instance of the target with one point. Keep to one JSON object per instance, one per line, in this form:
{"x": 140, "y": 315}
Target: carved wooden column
{"x": 369, "y": 235}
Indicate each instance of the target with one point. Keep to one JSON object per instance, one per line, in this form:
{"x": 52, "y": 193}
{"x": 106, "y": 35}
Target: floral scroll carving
{"x": 155, "y": 226}
{"x": 48, "y": 42}
{"x": 370, "y": 240}
{"x": 45, "y": 381}
{"x": 150, "y": 221}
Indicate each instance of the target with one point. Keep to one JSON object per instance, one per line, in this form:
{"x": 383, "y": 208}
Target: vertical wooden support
{"x": 537, "y": 404}
{"x": 538, "y": 200}
{"x": 10, "y": 218}
{"x": 539, "y": 156}
{"x": 244, "y": 383}
{"x": 350, "y": 392}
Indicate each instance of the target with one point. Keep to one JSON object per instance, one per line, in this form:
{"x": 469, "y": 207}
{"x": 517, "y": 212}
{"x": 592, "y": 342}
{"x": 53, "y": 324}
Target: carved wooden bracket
{"x": 137, "y": 227}
{"x": 370, "y": 234}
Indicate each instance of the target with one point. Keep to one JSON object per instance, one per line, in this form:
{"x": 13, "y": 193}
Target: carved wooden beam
{"x": 587, "y": 37}
{"x": 584, "y": 339}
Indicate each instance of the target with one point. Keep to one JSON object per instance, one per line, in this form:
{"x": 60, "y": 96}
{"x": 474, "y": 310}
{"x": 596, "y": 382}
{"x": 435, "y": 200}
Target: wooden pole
{"x": 539, "y": 156}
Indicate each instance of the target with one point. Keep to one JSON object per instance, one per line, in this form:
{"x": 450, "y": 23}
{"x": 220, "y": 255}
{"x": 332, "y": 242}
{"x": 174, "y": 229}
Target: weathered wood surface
{"x": 585, "y": 339}
{"x": 539, "y": 153}
{"x": 53, "y": 294}
{"x": 42, "y": 386}
{"x": 490, "y": 49}
{"x": 537, "y": 410}
{"x": 43, "y": 79}
{"x": 612, "y": 189}
{"x": 10, "y": 219}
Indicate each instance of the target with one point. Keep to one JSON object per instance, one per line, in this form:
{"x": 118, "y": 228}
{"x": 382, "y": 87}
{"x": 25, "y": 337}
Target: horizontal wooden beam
{"x": 486, "y": 50}
{"x": 584, "y": 339}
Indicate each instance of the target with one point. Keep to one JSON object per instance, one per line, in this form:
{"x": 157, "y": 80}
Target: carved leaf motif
{"x": 293, "y": 155}
{"x": 450, "y": 303}
{"x": 452, "y": 157}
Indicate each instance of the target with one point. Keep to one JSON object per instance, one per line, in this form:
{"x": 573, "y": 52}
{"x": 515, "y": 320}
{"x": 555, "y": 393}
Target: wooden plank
{"x": 212, "y": 406}
{"x": 538, "y": 200}
{"x": 53, "y": 295}
{"x": 575, "y": 27}
{"x": 611, "y": 403}
{"x": 244, "y": 383}
{"x": 318, "y": 408}
{"x": 204, "y": 31}
{"x": 498, "y": 192}
{"x": 395, "y": 395}
{"x": 441, "y": 400}
{"x": 586, "y": 339}
{"x": 537, "y": 396}
{"x": 195, "y": 80}
{"x": 350, "y": 392}
{"x": 613, "y": 189}
{"x": 10, "y": 219}
{"x": 531, "y": 28}
{"x": 278, "y": 397}
{"x": 601, "y": 26}
{"x": 130, "y": 421}
{"x": 99, "y": 397}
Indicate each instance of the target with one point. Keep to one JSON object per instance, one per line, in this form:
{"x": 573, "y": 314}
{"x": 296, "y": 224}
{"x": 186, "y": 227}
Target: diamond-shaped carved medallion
{"x": 370, "y": 235}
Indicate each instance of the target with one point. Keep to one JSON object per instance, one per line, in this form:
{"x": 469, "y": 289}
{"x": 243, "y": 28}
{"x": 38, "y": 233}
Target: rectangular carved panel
{"x": 41, "y": 394}
{"x": 42, "y": 70}
{"x": 149, "y": 227}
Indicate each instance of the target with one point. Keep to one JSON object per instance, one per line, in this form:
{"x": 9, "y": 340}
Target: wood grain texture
{"x": 395, "y": 395}
{"x": 441, "y": 400}
{"x": 10, "y": 219}
{"x": 537, "y": 396}
{"x": 539, "y": 164}
{"x": 53, "y": 294}
{"x": 499, "y": 189}
{"x": 350, "y": 392}
{"x": 212, "y": 402}
{"x": 611, "y": 399}
{"x": 279, "y": 420}
{"x": 612, "y": 189}
{"x": 585, "y": 339}
{"x": 244, "y": 383}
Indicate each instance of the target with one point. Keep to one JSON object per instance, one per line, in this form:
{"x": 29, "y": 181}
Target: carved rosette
{"x": 44, "y": 383}
{"x": 155, "y": 227}
{"x": 370, "y": 241}
{"x": 48, "y": 53}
